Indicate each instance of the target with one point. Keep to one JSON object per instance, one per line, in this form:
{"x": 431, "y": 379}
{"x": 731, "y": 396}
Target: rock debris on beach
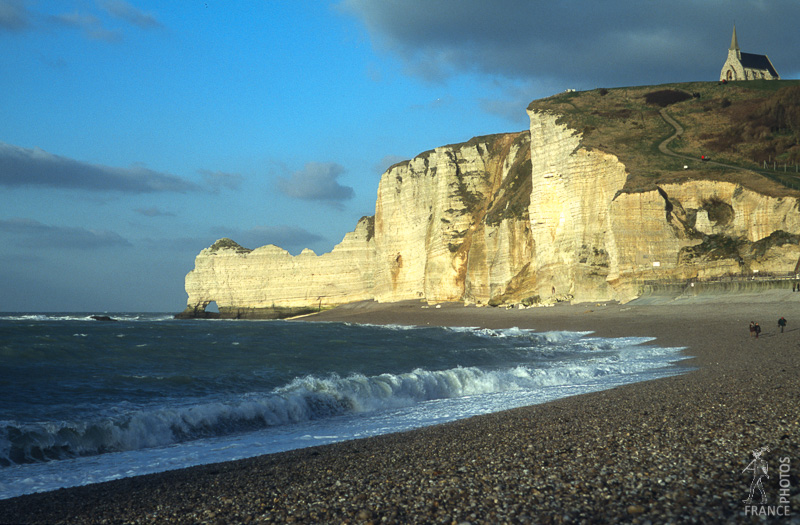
{"x": 670, "y": 450}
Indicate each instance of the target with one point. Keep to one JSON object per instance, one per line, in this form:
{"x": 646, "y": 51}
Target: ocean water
{"x": 85, "y": 401}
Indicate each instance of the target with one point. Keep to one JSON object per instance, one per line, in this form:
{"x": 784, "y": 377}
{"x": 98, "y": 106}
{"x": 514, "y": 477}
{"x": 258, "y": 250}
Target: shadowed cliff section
{"x": 753, "y": 291}
{"x": 592, "y": 203}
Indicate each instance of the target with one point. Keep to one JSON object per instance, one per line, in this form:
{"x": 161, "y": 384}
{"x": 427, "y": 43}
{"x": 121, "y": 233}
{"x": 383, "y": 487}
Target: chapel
{"x": 746, "y": 66}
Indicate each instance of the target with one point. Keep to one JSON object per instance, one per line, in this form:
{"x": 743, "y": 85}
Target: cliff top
{"x": 227, "y": 244}
{"x": 489, "y": 141}
{"x": 739, "y": 125}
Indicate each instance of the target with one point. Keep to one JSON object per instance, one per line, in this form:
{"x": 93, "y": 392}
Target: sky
{"x": 135, "y": 133}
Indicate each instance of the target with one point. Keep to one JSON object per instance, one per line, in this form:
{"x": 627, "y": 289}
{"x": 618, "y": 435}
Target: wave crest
{"x": 302, "y": 399}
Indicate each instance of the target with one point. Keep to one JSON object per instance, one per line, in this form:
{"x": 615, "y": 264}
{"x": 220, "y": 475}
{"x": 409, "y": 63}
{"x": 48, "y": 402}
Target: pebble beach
{"x": 671, "y": 450}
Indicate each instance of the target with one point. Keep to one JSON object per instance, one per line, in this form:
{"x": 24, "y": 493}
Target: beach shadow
{"x": 778, "y": 333}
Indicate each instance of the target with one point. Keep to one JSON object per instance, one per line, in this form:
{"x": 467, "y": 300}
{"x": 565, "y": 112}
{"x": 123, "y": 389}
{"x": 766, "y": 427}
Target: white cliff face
{"x": 499, "y": 261}
{"x": 431, "y": 237}
{"x": 522, "y": 217}
{"x": 270, "y": 277}
{"x": 595, "y": 241}
{"x": 700, "y": 229}
{"x": 751, "y": 215}
{"x": 644, "y": 242}
{"x": 570, "y": 210}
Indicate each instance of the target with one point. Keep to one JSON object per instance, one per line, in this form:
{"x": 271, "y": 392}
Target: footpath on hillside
{"x": 663, "y": 147}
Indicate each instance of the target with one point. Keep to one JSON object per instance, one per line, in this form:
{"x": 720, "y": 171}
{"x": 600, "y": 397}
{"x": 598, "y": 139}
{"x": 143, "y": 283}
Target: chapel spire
{"x": 734, "y": 40}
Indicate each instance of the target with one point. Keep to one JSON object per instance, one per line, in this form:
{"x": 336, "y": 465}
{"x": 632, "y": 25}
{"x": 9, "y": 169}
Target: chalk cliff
{"x": 269, "y": 282}
{"x": 528, "y": 217}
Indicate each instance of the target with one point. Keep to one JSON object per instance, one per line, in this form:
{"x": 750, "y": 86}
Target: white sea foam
{"x": 316, "y": 409}
{"x": 50, "y": 317}
{"x": 80, "y": 471}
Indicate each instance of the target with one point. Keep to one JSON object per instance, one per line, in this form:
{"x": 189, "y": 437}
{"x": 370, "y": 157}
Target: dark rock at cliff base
{"x": 196, "y": 313}
{"x": 102, "y": 318}
{"x": 245, "y": 313}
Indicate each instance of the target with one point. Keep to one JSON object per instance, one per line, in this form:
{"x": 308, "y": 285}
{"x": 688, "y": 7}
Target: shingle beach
{"x": 672, "y": 450}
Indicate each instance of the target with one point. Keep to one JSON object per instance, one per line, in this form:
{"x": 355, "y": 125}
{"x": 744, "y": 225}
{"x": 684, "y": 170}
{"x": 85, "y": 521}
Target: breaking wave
{"x": 302, "y": 399}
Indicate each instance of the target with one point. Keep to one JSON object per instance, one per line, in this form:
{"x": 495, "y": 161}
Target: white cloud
{"x": 35, "y": 167}
{"x": 153, "y": 211}
{"x": 132, "y": 15}
{"x": 317, "y": 182}
{"x": 90, "y": 25}
{"x": 216, "y": 180}
{"x": 33, "y": 234}
{"x": 13, "y": 15}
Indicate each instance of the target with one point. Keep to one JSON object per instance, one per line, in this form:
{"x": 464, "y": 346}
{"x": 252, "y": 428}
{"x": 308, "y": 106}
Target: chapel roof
{"x": 751, "y": 61}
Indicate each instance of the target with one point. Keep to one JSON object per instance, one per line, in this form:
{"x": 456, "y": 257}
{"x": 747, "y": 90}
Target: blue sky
{"x": 133, "y": 134}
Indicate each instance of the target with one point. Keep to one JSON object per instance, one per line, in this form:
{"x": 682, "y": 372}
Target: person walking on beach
{"x": 759, "y": 468}
{"x": 752, "y": 328}
{"x": 757, "y": 329}
{"x": 782, "y": 323}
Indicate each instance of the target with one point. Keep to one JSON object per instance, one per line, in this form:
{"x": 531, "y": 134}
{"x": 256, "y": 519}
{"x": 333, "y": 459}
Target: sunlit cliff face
{"x": 530, "y": 217}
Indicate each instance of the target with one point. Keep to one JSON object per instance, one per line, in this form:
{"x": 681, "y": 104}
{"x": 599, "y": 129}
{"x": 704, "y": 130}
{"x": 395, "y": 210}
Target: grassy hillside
{"x": 738, "y": 124}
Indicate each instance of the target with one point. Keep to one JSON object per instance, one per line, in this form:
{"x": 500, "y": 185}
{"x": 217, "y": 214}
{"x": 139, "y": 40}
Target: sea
{"x": 85, "y": 401}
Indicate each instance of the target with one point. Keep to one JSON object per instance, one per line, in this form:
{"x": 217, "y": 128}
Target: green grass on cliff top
{"x": 741, "y": 124}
